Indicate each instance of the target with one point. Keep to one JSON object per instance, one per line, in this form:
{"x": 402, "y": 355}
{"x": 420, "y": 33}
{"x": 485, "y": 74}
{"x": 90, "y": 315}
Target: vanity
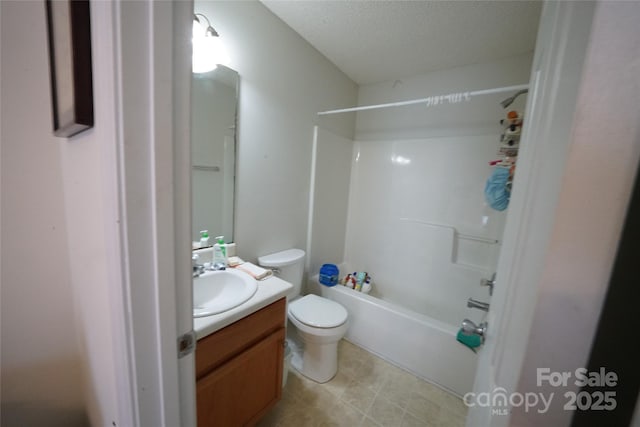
{"x": 239, "y": 358}
{"x": 239, "y": 349}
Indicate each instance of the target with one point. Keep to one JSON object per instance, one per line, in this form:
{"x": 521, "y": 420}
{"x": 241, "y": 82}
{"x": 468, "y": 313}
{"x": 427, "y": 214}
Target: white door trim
{"x": 555, "y": 81}
{"x": 152, "y": 50}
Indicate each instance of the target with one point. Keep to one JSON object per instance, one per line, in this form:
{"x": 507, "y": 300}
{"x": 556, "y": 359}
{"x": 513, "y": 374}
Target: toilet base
{"x": 318, "y": 362}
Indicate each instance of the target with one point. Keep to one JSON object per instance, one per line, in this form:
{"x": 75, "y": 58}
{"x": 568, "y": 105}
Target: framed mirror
{"x": 214, "y": 101}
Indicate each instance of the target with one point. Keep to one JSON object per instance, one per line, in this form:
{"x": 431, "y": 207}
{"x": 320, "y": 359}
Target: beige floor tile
{"x": 399, "y": 386}
{"x": 269, "y": 420}
{"x": 346, "y": 349}
{"x": 341, "y": 415}
{"x": 409, "y": 420}
{"x": 396, "y": 392}
{"x": 451, "y": 419}
{"x": 427, "y": 389}
{"x": 322, "y": 399}
{"x": 348, "y": 361}
{"x": 365, "y": 356}
{"x": 338, "y": 384}
{"x": 368, "y": 422}
{"x": 441, "y": 397}
{"x": 453, "y": 404}
{"x": 359, "y": 396}
{"x": 299, "y": 387}
{"x": 286, "y": 404}
{"x": 301, "y": 415}
{"x": 372, "y": 366}
{"x": 423, "y": 409}
{"x": 398, "y": 375}
{"x": 288, "y": 391}
{"x": 385, "y": 413}
{"x": 367, "y": 392}
{"x": 373, "y": 382}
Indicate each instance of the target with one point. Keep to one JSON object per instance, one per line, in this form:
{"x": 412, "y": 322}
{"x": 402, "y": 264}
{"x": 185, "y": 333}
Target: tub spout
{"x": 472, "y": 303}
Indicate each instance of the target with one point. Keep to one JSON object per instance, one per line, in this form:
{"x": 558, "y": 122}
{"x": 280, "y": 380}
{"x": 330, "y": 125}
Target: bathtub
{"x": 419, "y": 344}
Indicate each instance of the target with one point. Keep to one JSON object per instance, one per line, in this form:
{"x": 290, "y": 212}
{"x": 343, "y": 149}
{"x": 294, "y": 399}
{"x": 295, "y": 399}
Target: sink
{"x": 218, "y": 291}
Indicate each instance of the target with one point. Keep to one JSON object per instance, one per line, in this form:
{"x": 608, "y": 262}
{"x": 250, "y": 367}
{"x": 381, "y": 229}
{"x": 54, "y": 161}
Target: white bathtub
{"x": 422, "y": 345}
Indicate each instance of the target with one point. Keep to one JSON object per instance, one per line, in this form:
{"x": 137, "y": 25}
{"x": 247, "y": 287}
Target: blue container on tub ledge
{"x": 329, "y": 274}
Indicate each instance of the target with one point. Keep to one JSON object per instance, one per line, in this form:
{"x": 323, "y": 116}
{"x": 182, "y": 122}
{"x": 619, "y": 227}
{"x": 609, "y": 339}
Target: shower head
{"x": 510, "y": 100}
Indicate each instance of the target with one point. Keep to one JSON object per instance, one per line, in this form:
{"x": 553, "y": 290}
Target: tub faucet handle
{"x": 489, "y": 282}
{"x": 470, "y": 328}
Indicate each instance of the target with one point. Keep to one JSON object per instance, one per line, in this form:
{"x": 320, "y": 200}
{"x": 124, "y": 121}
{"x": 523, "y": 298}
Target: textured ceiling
{"x": 373, "y": 41}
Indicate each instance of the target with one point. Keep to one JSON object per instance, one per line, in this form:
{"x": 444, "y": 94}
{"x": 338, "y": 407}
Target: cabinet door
{"x": 242, "y": 390}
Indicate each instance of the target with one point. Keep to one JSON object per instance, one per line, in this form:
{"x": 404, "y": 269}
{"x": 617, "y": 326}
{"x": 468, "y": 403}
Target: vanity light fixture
{"x": 208, "y": 51}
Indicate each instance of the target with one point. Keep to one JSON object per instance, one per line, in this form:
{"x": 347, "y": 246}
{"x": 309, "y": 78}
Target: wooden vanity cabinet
{"x": 239, "y": 369}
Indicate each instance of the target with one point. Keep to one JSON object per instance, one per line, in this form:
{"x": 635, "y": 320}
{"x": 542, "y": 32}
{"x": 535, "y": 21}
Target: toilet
{"x": 320, "y": 323}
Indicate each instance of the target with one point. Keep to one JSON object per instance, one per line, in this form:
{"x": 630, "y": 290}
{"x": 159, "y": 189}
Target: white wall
{"x": 331, "y": 199}
{"x": 283, "y": 83}
{"x": 41, "y": 359}
{"x": 58, "y": 237}
{"x": 417, "y": 188}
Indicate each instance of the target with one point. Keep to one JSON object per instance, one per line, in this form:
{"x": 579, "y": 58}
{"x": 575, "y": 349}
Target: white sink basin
{"x": 218, "y": 291}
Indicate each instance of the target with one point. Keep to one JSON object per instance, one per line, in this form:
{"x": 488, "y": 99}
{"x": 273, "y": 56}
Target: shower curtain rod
{"x": 451, "y": 98}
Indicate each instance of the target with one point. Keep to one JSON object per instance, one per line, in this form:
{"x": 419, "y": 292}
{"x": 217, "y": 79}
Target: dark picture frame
{"x": 69, "y": 32}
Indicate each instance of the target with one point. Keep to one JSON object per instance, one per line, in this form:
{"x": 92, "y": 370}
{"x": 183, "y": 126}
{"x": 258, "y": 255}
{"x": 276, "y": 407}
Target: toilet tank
{"x": 290, "y": 264}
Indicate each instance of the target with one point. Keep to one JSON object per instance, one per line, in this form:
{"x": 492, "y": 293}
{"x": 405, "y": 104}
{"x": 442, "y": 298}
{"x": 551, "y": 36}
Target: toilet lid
{"x": 318, "y": 312}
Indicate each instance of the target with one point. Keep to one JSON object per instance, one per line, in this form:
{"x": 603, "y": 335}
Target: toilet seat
{"x": 318, "y": 312}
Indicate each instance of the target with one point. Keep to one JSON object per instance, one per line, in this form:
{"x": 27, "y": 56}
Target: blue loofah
{"x": 496, "y": 192}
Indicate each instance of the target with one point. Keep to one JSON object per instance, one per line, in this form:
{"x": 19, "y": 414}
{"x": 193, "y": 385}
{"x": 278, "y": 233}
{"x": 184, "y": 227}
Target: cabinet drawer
{"x": 219, "y": 347}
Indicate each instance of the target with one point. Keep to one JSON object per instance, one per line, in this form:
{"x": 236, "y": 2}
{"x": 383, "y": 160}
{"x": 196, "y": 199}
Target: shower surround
{"x": 408, "y": 207}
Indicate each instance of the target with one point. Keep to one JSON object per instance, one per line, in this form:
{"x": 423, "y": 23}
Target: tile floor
{"x": 367, "y": 391}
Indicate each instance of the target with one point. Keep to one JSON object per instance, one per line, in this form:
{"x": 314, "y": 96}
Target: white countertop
{"x": 269, "y": 290}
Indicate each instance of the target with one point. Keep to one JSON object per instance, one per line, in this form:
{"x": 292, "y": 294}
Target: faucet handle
{"x": 489, "y": 282}
{"x": 198, "y": 269}
{"x": 470, "y": 328}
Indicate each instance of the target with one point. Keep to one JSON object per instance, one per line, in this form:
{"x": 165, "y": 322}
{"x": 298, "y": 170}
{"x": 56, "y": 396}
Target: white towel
{"x": 253, "y": 270}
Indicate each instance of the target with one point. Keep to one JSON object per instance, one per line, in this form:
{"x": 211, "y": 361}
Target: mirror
{"x": 213, "y": 152}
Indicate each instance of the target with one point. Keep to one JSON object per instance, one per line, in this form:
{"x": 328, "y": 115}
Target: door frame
{"x": 553, "y": 92}
{"x": 152, "y": 50}
{"x": 581, "y": 69}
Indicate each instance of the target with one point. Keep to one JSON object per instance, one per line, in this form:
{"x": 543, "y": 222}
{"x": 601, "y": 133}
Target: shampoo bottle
{"x": 204, "y": 238}
{"x": 220, "y": 252}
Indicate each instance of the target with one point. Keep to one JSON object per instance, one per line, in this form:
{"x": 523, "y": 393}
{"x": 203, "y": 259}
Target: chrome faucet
{"x": 198, "y": 269}
{"x": 472, "y": 303}
{"x": 470, "y": 328}
{"x": 217, "y": 267}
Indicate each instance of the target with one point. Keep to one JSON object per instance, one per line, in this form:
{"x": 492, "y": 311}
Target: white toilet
{"x": 320, "y": 322}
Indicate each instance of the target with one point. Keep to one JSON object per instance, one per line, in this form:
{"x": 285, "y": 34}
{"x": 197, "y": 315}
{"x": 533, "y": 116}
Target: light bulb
{"x": 208, "y": 50}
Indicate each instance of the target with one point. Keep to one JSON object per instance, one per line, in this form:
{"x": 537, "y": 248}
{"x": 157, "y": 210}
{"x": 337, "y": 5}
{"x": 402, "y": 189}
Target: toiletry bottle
{"x": 204, "y": 238}
{"x": 220, "y": 252}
